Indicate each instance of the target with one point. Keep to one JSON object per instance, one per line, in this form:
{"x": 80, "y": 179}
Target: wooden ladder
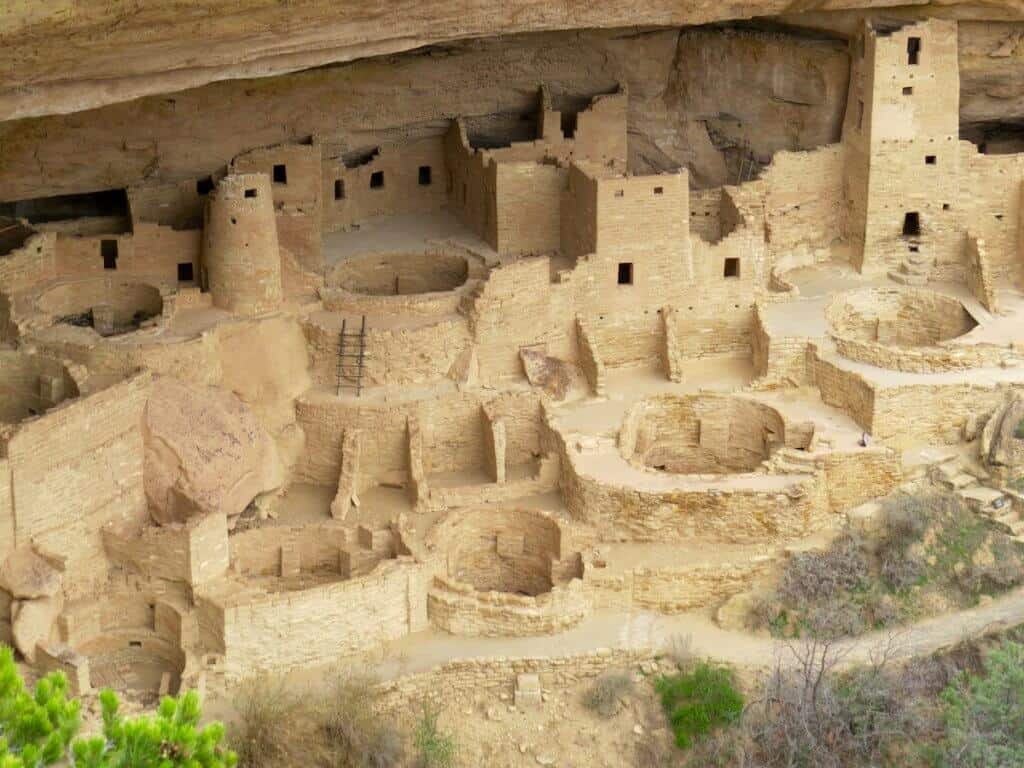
{"x": 351, "y": 356}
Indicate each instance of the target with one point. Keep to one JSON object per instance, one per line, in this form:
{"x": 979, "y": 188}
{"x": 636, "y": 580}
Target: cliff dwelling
{"x": 506, "y": 352}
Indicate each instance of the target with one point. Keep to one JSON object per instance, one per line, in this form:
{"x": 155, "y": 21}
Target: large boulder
{"x": 27, "y": 575}
{"x": 205, "y": 452}
{"x": 32, "y": 623}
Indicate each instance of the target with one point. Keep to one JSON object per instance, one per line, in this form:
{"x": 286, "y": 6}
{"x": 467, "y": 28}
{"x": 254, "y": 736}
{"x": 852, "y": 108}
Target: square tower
{"x": 901, "y": 135}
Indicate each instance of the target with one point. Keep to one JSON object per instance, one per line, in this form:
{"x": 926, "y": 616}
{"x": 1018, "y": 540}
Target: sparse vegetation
{"x": 699, "y": 701}
{"x": 434, "y": 748}
{"x": 961, "y": 708}
{"x": 342, "y": 730}
{"x": 932, "y": 554}
{"x": 605, "y": 694}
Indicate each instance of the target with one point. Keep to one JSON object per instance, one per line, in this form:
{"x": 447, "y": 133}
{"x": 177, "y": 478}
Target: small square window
{"x": 339, "y": 189}
{"x": 185, "y": 273}
{"x": 731, "y": 267}
{"x": 250, "y": 193}
{"x": 930, "y": 160}
{"x": 204, "y": 186}
{"x": 659, "y": 190}
{"x": 625, "y": 276}
{"x": 946, "y": 206}
{"x": 908, "y": 90}
{"x": 377, "y": 180}
{"x": 108, "y": 250}
{"x": 424, "y": 176}
{"x": 280, "y": 174}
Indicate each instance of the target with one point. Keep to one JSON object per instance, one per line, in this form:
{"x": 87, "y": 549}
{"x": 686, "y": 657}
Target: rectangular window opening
{"x": 185, "y": 272}
{"x": 250, "y": 193}
{"x": 280, "y": 174}
{"x": 339, "y": 189}
{"x": 913, "y": 50}
{"x": 625, "y": 273}
{"x": 108, "y": 250}
{"x": 732, "y": 267}
{"x": 568, "y": 124}
{"x": 908, "y": 91}
{"x": 930, "y": 160}
{"x": 911, "y": 224}
{"x": 946, "y": 206}
{"x": 659, "y": 190}
{"x": 134, "y": 643}
{"x": 424, "y": 176}
{"x": 204, "y": 186}
{"x": 377, "y": 180}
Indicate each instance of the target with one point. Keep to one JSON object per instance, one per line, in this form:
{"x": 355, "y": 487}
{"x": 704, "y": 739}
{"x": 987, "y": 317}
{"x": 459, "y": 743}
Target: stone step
{"x": 957, "y": 482}
{"x": 981, "y": 498}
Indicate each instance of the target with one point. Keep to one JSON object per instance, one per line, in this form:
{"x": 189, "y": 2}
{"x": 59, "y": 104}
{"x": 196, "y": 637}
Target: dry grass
{"x": 277, "y": 729}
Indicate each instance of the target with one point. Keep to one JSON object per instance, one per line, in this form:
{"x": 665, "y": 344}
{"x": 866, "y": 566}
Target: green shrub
{"x": 38, "y": 728}
{"x": 985, "y": 713}
{"x": 603, "y": 696}
{"x": 434, "y": 748}
{"x": 699, "y": 701}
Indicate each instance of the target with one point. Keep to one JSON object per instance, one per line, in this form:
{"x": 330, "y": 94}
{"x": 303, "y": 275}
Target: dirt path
{"x": 422, "y": 651}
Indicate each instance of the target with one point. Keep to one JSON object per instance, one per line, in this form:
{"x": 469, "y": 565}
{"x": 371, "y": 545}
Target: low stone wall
{"x": 947, "y": 357}
{"x": 498, "y": 675}
{"x": 733, "y": 514}
{"x": 462, "y": 610}
{"x": 676, "y": 589}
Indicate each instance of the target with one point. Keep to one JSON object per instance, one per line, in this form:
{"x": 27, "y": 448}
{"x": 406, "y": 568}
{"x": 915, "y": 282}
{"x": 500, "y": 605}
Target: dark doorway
{"x": 625, "y": 273}
{"x": 911, "y": 224}
{"x": 424, "y": 175}
{"x": 280, "y": 174}
{"x": 377, "y": 180}
{"x": 108, "y": 250}
{"x": 913, "y": 50}
{"x": 185, "y": 272}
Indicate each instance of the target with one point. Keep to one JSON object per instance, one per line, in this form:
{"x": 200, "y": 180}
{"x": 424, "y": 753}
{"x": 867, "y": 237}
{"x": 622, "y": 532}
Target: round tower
{"x": 240, "y": 251}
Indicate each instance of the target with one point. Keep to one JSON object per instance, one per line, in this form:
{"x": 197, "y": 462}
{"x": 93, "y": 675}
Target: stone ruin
{"x": 467, "y": 379}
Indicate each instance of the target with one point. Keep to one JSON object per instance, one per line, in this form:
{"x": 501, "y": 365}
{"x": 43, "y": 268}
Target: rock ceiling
{"x": 67, "y": 55}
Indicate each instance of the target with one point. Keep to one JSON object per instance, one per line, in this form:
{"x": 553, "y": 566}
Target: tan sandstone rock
{"x": 26, "y": 575}
{"x": 32, "y": 622}
{"x": 205, "y": 452}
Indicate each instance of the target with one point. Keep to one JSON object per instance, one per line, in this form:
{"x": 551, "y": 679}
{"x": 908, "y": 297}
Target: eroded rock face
{"x": 26, "y": 575}
{"x": 205, "y": 452}
{"x": 62, "y": 58}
